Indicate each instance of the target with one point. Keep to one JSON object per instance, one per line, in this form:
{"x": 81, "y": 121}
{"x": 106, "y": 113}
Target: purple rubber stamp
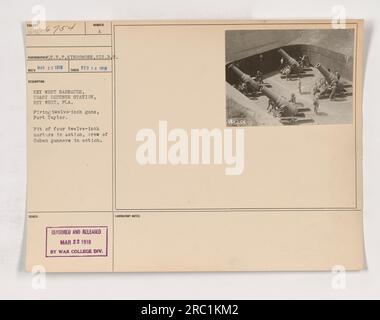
{"x": 76, "y": 241}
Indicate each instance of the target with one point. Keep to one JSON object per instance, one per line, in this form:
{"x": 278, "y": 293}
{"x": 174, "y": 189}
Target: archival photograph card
{"x": 158, "y": 146}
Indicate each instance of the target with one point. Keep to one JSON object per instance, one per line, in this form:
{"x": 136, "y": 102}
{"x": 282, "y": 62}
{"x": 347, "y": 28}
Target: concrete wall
{"x": 269, "y": 61}
{"x": 332, "y": 48}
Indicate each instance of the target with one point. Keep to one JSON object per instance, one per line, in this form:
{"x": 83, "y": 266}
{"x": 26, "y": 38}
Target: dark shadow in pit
{"x": 336, "y": 99}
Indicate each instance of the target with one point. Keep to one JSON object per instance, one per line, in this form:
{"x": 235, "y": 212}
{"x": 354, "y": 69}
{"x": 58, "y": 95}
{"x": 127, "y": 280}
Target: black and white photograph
{"x": 289, "y": 77}
{"x": 190, "y": 159}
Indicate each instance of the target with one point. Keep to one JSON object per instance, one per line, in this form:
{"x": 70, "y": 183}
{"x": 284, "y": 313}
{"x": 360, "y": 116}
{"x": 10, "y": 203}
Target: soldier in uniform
{"x": 286, "y": 72}
{"x": 292, "y": 98}
{"x": 242, "y": 87}
{"x": 259, "y": 77}
{"x": 316, "y": 103}
{"x": 270, "y": 106}
{"x": 334, "y": 87}
{"x": 299, "y": 86}
{"x": 315, "y": 89}
{"x": 306, "y": 61}
{"x": 280, "y": 111}
{"x": 323, "y": 87}
{"x": 302, "y": 61}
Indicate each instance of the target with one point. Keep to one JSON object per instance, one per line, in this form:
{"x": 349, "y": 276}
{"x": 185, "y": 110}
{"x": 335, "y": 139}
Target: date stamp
{"x": 76, "y": 241}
